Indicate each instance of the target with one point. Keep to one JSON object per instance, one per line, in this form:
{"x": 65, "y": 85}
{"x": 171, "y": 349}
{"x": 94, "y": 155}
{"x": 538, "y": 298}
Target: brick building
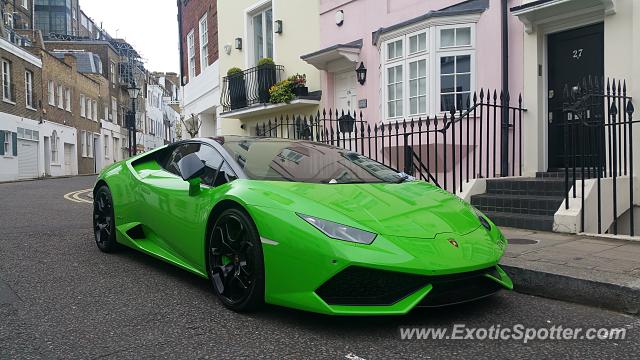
{"x": 20, "y": 116}
{"x": 198, "y": 31}
{"x": 16, "y": 15}
{"x": 116, "y": 102}
{"x": 75, "y": 99}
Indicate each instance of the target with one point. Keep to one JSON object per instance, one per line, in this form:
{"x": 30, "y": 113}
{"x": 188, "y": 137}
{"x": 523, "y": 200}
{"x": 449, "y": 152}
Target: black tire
{"x": 235, "y": 263}
{"x": 104, "y": 225}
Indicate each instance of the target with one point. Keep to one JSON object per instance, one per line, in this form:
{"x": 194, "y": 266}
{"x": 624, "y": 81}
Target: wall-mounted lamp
{"x": 361, "y": 72}
{"x": 277, "y": 28}
{"x": 238, "y": 43}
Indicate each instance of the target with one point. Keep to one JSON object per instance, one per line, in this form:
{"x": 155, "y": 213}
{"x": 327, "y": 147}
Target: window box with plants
{"x": 299, "y": 85}
{"x": 289, "y": 89}
{"x": 237, "y": 88}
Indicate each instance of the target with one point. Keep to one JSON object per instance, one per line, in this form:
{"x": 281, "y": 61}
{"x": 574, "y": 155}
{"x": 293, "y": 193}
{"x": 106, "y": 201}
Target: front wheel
{"x": 235, "y": 261}
{"x": 104, "y": 226}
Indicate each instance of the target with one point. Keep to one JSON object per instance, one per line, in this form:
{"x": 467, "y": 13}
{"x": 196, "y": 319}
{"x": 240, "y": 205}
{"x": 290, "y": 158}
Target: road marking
{"x": 75, "y": 196}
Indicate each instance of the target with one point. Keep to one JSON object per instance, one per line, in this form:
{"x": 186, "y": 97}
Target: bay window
{"x": 428, "y": 71}
{"x": 418, "y": 87}
{"x": 455, "y": 82}
{"x": 394, "y": 91}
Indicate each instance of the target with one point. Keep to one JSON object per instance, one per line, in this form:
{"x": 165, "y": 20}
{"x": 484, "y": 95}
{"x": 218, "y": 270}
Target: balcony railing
{"x": 249, "y": 87}
{"x": 14, "y": 37}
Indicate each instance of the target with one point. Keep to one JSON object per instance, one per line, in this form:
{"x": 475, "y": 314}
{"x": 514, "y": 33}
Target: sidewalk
{"x": 46, "y": 178}
{"x": 601, "y": 272}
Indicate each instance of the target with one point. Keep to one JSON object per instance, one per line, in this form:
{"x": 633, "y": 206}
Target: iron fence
{"x": 448, "y": 149}
{"x": 250, "y": 86}
{"x": 598, "y": 144}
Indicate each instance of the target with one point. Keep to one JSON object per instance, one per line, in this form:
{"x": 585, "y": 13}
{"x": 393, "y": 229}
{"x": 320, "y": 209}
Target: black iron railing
{"x": 447, "y": 150}
{"x": 249, "y": 87}
{"x": 598, "y": 144}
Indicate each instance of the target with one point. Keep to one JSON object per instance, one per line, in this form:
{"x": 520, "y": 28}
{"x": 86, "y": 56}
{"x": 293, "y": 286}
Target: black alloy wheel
{"x": 235, "y": 261}
{"x": 104, "y": 228}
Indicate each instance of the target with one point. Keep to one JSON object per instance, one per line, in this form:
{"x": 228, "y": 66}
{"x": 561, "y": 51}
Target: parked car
{"x": 299, "y": 224}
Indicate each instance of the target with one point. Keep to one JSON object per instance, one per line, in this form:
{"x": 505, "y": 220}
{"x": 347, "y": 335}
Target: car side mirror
{"x": 191, "y": 168}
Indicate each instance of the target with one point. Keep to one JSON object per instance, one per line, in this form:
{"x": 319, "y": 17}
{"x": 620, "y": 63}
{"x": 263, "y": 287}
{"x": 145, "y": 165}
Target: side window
{"x": 209, "y": 156}
{"x": 212, "y": 160}
{"x": 171, "y": 164}
{"x": 225, "y": 175}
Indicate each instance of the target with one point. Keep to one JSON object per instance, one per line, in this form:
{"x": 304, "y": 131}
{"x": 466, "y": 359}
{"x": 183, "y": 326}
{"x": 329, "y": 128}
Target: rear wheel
{"x": 103, "y": 220}
{"x": 235, "y": 261}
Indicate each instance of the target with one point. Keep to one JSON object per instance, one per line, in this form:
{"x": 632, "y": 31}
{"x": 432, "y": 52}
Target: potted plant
{"x": 237, "y": 89}
{"x": 346, "y": 122}
{"x": 281, "y": 92}
{"x": 266, "y": 78}
{"x": 299, "y": 85}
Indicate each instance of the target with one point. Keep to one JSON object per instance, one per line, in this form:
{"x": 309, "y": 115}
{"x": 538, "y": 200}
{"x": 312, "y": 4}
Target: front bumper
{"x": 434, "y": 291}
{"x": 307, "y": 271}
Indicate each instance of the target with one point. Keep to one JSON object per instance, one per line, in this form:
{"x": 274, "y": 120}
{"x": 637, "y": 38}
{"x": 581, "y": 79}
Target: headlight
{"x": 339, "y": 231}
{"x": 482, "y": 218}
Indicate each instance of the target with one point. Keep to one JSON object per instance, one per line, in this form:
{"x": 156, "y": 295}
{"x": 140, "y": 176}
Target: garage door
{"x": 68, "y": 159}
{"x": 27, "y": 159}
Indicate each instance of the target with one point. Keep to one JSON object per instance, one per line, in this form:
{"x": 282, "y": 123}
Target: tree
{"x": 179, "y": 130}
{"x": 192, "y": 125}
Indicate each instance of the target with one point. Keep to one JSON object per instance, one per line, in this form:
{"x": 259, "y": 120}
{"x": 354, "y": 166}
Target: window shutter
{"x": 2, "y": 142}
{"x": 14, "y": 142}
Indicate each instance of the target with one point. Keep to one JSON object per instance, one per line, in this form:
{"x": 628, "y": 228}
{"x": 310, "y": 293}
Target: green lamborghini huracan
{"x": 299, "y": 224}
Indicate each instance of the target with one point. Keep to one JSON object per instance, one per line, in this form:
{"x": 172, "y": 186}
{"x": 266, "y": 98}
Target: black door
{"x": 572, "y": 56}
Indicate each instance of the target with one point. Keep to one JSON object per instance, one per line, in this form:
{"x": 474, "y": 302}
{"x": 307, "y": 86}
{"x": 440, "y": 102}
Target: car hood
{"x": 411, "y": 209}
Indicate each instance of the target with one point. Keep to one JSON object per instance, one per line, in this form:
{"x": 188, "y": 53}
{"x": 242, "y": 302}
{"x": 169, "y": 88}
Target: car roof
{"x": 238, "y": 138}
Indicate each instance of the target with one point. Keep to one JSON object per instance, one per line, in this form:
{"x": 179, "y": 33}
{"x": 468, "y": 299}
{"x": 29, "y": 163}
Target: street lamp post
{"x": 134, "y": 91}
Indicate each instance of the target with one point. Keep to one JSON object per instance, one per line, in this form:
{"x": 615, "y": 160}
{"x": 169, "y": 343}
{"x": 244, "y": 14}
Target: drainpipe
{"x": 179, "y": 2}
{"x": 504, "y": 146}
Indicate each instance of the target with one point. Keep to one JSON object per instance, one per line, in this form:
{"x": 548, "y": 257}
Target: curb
{"x": 46, "y": 178}
{"x": 619, "y": 293}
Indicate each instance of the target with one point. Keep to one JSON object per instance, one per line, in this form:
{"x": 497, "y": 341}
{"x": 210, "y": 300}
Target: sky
{"x": 151, "y": 26}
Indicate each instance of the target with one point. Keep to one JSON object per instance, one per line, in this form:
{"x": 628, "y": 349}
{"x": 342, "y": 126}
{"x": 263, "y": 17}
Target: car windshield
{"x": 306, "y": 161}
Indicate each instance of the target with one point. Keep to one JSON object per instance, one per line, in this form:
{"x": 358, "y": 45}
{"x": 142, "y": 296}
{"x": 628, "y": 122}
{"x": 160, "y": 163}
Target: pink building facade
{"x": 422, "y": 57}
